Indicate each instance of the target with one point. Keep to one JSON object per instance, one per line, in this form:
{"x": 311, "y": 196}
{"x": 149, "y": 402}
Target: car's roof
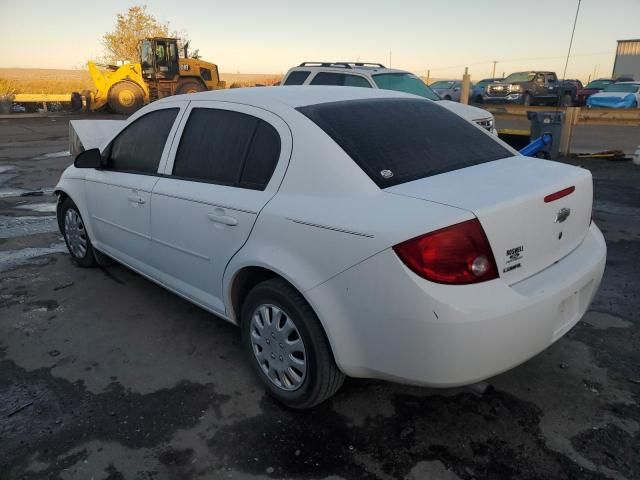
{"x": 291, "y": 96}
{"x": 350, "y": 70}
{"x": 628, "y": 83}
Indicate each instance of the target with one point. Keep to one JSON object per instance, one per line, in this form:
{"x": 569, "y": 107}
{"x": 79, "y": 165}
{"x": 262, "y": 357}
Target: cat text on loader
{"x": 159, "y": 74}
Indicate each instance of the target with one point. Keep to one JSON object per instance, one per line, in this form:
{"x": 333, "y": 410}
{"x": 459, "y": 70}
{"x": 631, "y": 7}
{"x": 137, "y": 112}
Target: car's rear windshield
{"x": 443, "y": 84}
{"x": 622, "y": 87}
{"x": 397, "y": 140}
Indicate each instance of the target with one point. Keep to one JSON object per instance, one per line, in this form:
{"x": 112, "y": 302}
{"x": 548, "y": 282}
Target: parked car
{"x": 346, "y": 231}
{"x": 479, "y": 89}
{"x": 448, "y": 89}
{"x": 617, "y": 95}
{"x": 18, "y": 108}
{"x": 375, "y": 75}
{"x": 531, "y": 88}
{"x": 592, "y": 87}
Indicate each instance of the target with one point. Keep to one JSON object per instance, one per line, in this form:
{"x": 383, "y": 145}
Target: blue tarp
{"x": 623, "y": 100}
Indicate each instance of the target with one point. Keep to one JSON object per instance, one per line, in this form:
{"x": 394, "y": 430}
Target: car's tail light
{"x": 459, "y": 254}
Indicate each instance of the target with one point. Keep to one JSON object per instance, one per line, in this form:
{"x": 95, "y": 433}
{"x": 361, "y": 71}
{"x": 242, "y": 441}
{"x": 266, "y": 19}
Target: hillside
{"x": 40, "y": 80}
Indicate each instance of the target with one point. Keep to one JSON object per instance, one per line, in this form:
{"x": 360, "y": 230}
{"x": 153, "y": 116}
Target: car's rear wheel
{"x": 287, "y": 345}
{"x": 75, "y": 235}
{"x": 447, "y": 97}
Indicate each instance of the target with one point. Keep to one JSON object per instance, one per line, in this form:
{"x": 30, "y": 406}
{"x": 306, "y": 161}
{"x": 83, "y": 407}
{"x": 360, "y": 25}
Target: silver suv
{"x": 376, "y": 75}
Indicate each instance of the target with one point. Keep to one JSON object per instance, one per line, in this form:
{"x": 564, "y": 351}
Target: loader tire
{"x": 125, "y": 97}
{"x": 76, "y": 102}
{"x": 190, "y": 86}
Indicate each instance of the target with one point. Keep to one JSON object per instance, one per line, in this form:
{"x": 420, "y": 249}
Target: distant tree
{"x": 131, "y": 27}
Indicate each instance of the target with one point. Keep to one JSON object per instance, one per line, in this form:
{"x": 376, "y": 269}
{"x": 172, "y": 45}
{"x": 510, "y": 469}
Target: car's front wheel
{"x": 287, "y": 345}
{"x": 75, "y": 234}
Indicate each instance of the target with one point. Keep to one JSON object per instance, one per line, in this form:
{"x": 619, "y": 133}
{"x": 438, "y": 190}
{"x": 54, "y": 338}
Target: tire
{"x": 75, "y": 235}
{"x": 125, "y": 97}
{"x": 190, "y": 86}
{"x": 447, "y": 97}
{"x": 76, "y": 102}
{"x": 526, "y": 99}
{"x": 566, "y": 100}
{"x": 479, "y": 99}
{"x": 307, "y": 385}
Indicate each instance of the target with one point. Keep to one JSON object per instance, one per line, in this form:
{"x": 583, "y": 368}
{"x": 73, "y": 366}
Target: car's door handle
{"x": 223, "y": 219}
{"x": 135, "y": 199}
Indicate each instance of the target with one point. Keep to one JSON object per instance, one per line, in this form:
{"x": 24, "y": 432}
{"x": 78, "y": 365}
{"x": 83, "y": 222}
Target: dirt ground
{"x": 105, "y": 375}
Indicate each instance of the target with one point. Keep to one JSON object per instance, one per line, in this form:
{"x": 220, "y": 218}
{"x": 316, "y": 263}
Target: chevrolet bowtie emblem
{"x": 562, "y": 215}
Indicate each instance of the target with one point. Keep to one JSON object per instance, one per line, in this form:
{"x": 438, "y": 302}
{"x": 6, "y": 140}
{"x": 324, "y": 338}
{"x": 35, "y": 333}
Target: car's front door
{"x": 551, "y": 84}
{"x": 228, "y": 163}
{"x": 119, "y": 195}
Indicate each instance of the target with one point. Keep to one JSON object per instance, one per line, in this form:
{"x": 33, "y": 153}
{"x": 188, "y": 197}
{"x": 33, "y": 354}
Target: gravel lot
{"x": 103, "y": 374}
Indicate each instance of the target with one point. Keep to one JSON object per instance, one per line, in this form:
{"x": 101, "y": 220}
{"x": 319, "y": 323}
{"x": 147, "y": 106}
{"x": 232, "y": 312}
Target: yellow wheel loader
{"x": 160, "y": 73}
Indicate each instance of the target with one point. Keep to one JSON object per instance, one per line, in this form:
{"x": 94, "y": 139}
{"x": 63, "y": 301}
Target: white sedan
{"x": 346, "y": 231}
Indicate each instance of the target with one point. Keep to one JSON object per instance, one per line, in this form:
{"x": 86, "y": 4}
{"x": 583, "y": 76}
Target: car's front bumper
{"x": 510, "y": 98}
{"x": 383, "y": 321}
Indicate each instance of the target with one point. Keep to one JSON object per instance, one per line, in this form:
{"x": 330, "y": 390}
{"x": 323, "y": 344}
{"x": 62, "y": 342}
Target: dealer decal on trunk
{"x": 513, "y": 255}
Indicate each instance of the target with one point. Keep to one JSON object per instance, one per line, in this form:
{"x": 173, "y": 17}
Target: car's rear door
{"x": 226, "y": 163}
{"x": 118, "y": 196}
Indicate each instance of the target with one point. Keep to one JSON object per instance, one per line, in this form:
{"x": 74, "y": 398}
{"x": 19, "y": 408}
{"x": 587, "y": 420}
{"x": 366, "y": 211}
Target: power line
{"x": 575, "y": 20}
{"x": 512, "y": 60}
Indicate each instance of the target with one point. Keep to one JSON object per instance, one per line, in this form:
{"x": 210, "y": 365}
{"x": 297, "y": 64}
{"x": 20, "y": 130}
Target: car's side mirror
{"x": 88, "y": 159}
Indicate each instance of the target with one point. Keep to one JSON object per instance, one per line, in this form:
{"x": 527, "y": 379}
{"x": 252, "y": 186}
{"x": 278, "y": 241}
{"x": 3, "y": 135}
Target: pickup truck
{"x": 530, "y": 88}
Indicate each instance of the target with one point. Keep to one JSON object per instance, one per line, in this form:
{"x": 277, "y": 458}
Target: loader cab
{"x": 159, "y": 58}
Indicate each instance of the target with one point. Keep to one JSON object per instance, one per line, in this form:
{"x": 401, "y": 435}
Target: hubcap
{"x": 278, "y": 347}
{"x": 75, "y": 233}
{"x": 126, "y": 97}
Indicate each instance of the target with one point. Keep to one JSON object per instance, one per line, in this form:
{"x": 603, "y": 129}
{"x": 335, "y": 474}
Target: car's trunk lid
{"x": 526, "y": 233}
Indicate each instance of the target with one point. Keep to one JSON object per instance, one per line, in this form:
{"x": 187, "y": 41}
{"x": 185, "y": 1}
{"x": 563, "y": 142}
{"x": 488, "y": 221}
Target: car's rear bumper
{"x": 383, "y": 321}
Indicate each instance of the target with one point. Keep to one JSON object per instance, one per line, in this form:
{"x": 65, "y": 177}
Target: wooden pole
{"x": 428, "y": 76}
{"x": 570, "y": 119}
{"x": 466, "y": 86}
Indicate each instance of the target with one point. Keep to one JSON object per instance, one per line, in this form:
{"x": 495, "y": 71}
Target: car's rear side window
{"x": 227, "y": 148}
{"x": 397, "y": 140}
{"x": 340, "y": 80}
{"x": 138, "y": 148}
{"x": 297, "y": 78}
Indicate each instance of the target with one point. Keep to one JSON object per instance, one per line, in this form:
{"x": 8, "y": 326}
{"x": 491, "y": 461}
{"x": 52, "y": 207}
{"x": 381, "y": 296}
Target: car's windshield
{"x": 404, "y": 82}
{"x": 520, "y": 77}
{"x": 598, "y": 84}
{"x": 443, "y": 84}
{"x": 623, "y": 87}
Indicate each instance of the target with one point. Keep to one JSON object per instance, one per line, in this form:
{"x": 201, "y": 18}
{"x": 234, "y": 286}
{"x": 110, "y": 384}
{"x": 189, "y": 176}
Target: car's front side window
{"x": 404, "y": 82}
{"x": 227, "y": 148}
{"x": 138, "y": 148}
{"x": 340, "y": 80}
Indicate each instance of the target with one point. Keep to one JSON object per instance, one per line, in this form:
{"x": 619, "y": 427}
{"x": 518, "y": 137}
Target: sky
{"x": 257, "y": 36}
